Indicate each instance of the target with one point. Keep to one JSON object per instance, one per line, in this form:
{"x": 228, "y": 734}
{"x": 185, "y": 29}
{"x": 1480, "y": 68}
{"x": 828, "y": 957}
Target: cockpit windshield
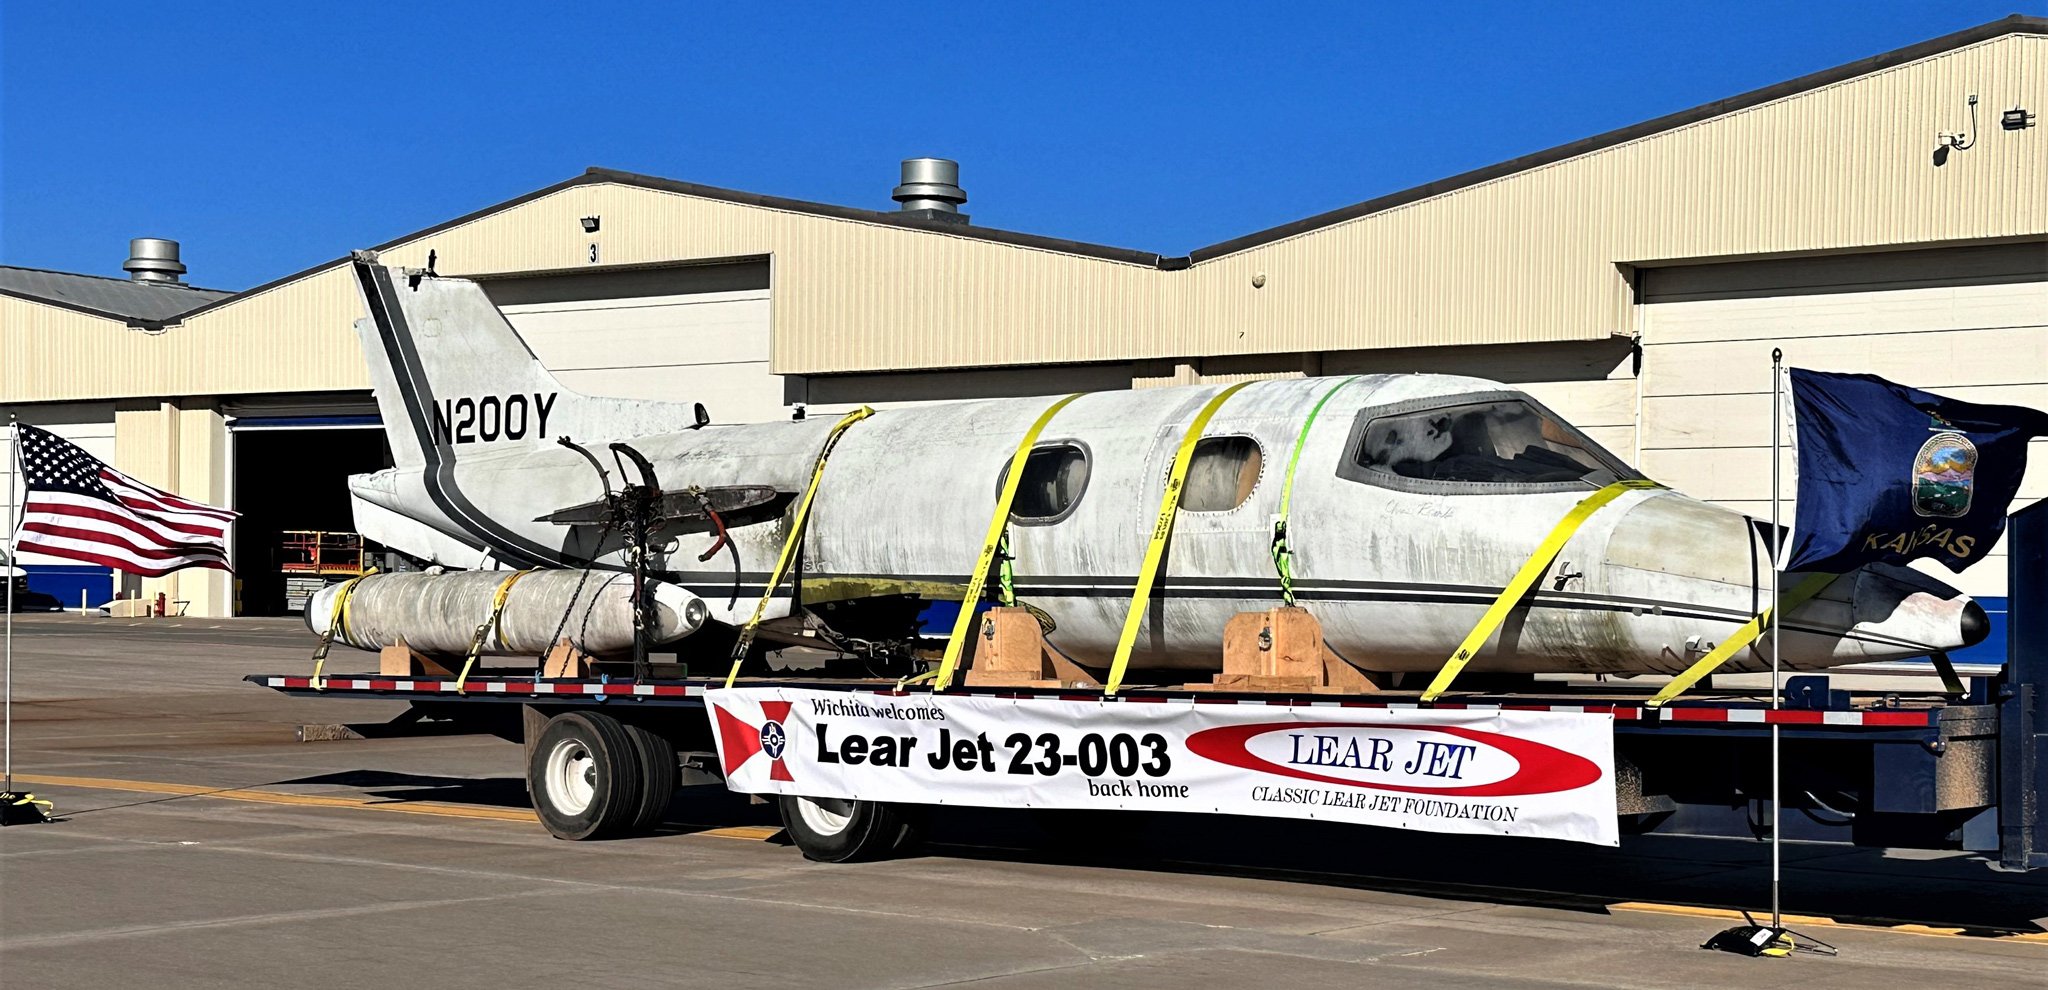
{"x": 1494, "y": 442}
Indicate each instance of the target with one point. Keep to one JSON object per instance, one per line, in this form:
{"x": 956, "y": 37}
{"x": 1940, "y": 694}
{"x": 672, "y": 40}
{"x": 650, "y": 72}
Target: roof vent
{"x": 153, "y": 259}
{"x": 931, "y": 188}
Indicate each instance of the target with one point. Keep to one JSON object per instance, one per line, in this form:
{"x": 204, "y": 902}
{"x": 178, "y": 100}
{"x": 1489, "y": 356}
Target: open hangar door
{"x": 290, "y": 466}
{"x": 1968, "y": 321}
{"x": 684, "y": 333}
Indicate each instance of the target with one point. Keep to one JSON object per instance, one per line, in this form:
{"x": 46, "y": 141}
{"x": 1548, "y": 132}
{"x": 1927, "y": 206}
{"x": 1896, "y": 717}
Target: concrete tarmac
{"x": 201, "y": 846}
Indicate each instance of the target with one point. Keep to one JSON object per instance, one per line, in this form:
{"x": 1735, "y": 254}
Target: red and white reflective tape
{"x": 480, "y": 685}
{"x": 1893, "y": 718}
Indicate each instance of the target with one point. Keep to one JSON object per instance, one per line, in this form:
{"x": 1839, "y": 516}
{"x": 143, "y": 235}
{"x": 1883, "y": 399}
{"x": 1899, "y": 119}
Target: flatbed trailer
{"x": 1927, "y": 771}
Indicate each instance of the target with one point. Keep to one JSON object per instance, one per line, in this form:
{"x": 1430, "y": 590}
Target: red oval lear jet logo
{"x": 1445, "y": 760}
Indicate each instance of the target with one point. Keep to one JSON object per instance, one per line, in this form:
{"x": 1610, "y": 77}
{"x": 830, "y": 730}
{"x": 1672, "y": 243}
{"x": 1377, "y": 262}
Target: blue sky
{"x": 272, "y": 136}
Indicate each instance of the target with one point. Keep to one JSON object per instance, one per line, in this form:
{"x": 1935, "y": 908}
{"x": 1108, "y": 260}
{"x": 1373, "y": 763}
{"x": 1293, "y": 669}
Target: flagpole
{"x": 7, "y": 706}
{"x": 1777, "y": 574}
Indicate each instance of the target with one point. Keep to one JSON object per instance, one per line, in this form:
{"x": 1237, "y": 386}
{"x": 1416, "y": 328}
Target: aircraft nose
{"x": 1976, "y": 625}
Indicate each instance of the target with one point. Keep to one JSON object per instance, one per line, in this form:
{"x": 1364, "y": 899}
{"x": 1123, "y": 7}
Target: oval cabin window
{"x": 1222, "y": 474}
{"x": 1054, "y": 478}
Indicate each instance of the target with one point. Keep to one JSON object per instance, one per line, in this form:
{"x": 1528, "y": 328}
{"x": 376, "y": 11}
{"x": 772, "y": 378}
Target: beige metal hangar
{"x": 1635, "y": 281}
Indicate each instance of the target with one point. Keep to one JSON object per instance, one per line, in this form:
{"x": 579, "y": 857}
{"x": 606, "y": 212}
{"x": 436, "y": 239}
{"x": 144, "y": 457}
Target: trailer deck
{"x": 1865, "y": 711}
{"x": 1931, "y": 771}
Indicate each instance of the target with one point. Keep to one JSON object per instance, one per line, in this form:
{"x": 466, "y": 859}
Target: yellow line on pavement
{"x": 1815, "y": 921}
{"x": 280, "y": 797}
{"x": 754, "y": 833}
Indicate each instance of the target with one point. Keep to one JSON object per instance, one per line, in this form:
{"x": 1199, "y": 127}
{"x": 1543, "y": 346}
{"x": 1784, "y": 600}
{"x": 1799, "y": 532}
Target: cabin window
{"x": 1222, "y": 474}
{"x": 1477, "y": 446}
{"x": 1054, "y": 478}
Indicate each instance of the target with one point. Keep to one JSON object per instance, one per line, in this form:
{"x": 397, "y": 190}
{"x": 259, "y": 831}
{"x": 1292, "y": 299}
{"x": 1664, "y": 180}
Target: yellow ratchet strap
{"x": 977, "y": 579}
{"x": 1808, "y": 587}
{"x": 1524, "y": 579}
{"x": 1283, "y": 554}
{"x": 1162, "y": 529}
{"x": 490, "y": 627}
{"x": 794, "y": 540}
{"x": 1951, "y": 684}
{"x": 336, "y": 626}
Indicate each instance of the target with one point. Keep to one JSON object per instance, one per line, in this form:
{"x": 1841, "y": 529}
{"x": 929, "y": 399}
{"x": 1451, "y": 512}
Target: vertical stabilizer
{"x": 453, "y": 378}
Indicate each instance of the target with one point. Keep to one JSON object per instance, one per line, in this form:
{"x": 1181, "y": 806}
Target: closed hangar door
{"x": 1968, "y": 322}
{"x": 688, "y": 333}
{"x": 288, "y": 464}
{"x": 73, "y": 583}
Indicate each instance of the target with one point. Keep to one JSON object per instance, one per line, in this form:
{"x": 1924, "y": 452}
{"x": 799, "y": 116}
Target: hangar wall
{"x": 1967, "y": 322}
{"x": 1530, "y": 272}
{"x": 1539, "y": 253}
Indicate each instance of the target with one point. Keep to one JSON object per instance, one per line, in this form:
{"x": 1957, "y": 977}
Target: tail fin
{"x": 453, "y": 377}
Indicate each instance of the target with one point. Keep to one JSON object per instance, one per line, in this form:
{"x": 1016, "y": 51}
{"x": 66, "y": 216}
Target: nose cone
{"x": 1976, "y": 625}
{"x": 1693, "y": 555}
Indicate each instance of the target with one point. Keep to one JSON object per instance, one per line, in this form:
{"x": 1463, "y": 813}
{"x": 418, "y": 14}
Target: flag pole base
{"x": 1764, "y": 940}
{"x": 23, "y": 808}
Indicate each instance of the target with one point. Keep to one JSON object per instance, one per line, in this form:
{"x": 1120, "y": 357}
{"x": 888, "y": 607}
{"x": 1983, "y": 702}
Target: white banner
{"x": 1543, "y": 774}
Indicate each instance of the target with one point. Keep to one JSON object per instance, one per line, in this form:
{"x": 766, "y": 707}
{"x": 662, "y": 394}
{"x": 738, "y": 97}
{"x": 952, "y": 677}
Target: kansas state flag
{"x": 1892, "y": 473}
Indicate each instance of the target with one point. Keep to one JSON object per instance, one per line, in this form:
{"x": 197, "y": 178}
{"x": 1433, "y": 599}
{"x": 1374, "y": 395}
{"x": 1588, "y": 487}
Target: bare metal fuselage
{"x": 1397, "y": 577}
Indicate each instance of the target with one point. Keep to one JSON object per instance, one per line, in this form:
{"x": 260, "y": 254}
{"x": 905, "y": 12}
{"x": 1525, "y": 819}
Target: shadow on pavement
{"x": 1851, "y": 885}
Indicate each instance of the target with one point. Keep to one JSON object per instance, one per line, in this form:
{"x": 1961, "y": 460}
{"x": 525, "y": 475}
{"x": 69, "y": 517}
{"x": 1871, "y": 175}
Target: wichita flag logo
{"x": 740, "y": 740}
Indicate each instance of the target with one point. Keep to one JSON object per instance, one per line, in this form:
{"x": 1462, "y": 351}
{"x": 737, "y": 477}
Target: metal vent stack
{"x": 153, "y": 259}
{"x": 931, "y": 187}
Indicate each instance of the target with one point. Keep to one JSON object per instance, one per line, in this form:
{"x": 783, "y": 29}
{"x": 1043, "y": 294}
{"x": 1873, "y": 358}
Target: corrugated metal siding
{"x": 848, "y": 295}
{"x": 297, "y": 337}
{"x": 1706, "y": 375}
{"x": 1534, "y": 256}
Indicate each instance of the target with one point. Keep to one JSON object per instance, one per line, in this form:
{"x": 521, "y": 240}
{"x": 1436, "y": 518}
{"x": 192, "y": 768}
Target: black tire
{"x": 833, "y": 830}
{"x": 657, "y": 757}
{"x": 585, "y": 776}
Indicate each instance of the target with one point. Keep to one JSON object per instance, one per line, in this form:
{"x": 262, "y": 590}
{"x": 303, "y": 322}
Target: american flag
{"x": 81, "y": 509}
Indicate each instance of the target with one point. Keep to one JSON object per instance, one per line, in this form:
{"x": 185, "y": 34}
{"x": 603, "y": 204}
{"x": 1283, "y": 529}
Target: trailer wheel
{"x": 585, "y": 776}
{"x": 837, "y": 830}
{"x": 657, "y": 760}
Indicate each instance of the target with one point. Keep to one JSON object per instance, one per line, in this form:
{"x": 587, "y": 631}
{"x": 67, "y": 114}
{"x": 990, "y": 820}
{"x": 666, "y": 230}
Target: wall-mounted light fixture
{"x": 2016, "y": 119}
{"x": 1946, "y": 141}
{"x": 590, "y": 224}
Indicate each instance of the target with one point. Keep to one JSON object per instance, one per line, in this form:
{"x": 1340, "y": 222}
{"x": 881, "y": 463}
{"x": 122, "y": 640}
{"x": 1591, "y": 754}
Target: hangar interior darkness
{"x": 291, "y": 479}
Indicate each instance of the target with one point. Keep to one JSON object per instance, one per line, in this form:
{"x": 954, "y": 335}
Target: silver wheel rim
{"x": 570, "y": 777}
{"x": 825, "y": 816}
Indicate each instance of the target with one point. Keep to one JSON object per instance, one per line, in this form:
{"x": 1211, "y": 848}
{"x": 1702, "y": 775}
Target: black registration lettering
{"x": 490, "y": 415}
{"x": 542, "y": 405}
{"x": 492, "y": 418}
{"x": 515, "y": 417}
{"x": 465, "y": 420}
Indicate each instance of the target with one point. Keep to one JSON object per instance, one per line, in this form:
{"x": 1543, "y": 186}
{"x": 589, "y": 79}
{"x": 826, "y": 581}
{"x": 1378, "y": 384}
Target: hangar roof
{"x": 2014, "y": 24}
{"x": 98, "y": 295}
{"x": 1541, "y": 248}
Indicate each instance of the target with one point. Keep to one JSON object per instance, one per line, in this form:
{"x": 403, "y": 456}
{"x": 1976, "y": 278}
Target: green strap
{"x": 996, "y": 539}
{"x": 1951, "y": 684}
{"x": 1283, "y": 555}
{"x": 1006, "y": 573}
